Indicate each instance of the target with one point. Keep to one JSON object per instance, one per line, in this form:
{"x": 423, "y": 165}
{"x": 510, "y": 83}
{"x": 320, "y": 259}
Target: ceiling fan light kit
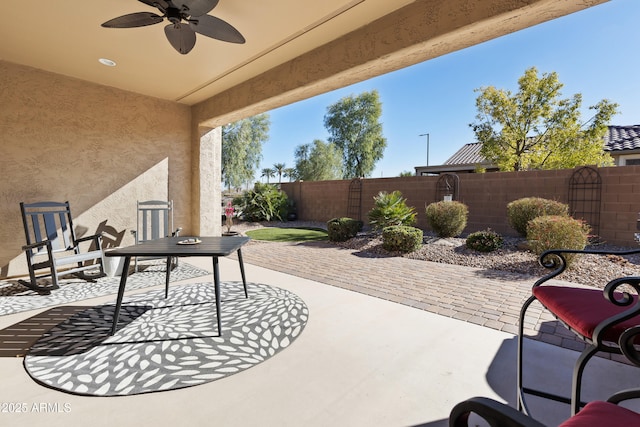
{"x": 186, "y": 17}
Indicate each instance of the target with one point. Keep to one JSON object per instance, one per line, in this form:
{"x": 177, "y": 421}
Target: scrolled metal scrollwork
{"x": 614, "y": 294}
{"x": 629, "y": 346}
{"x": 553, "y": 260}
{"x": 622, "y": 298}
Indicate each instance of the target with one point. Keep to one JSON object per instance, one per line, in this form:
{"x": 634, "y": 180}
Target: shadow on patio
{"x": 360, "y": 361}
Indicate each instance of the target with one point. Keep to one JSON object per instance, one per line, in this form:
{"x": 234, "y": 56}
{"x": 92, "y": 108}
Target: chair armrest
{"x": 623, "y": 395}
{"x": 616, "y": 294}
{"x": 627, "y": 343}
{"x": 496, "y": 414}
{"x": 37, "y": 245}
{"x": 555, "y": 259}
{"x": 94, "y": 237}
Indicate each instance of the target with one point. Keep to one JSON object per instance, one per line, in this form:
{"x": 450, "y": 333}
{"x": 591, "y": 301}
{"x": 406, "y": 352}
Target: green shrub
{"x": 447, "y": 219}
{"x": 401, "y": 238}
{"x": 263, "y": 203}
{"x": 521, "y": 211}
{"x": 342, "y": 229}
{"x": 557, "y": 232}
{"x": 391, "y": 209}
{"x": 484, "y": 241}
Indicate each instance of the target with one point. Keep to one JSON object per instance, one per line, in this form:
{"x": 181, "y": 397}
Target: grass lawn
{"x": 277, "y": 234}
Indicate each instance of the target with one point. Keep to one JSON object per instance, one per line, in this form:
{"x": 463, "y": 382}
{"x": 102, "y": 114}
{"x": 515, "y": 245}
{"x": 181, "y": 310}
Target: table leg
{"x": 244, "y": 279}
{"x": 216, "y": 284}
{"x": 166, "y": 278}
{"x": 123, "y": 282}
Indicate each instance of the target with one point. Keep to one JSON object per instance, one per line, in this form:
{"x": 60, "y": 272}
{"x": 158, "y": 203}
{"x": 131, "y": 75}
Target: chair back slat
{"x": 35, "y": 227}
{"x": 51, "y": 229}
{"x": 155, "y": 223}
{"x": 65, "y": 228}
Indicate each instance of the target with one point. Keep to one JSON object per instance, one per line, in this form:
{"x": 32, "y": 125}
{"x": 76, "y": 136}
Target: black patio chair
{"x": 597, "y": 413}
{"x": 599, "y": 317}
{"x": 52, "y": 248}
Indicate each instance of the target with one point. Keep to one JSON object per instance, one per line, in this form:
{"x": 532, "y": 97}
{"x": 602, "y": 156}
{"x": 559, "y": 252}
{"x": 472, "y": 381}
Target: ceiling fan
{"x": 186, "y": 17}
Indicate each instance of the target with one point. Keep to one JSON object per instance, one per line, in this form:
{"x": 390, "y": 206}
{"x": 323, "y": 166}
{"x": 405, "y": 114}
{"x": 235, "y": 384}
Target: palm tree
{"x": 279, "y": 168}
{"x": 289, "y": 173}
{"x": 268, "y": 172}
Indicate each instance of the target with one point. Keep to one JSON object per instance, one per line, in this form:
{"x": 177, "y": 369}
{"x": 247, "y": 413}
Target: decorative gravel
{"x": 591, "y": 270}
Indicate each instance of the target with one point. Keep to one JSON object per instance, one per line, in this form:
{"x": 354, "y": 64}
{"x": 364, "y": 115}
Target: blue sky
{"x": 593, "y": 51}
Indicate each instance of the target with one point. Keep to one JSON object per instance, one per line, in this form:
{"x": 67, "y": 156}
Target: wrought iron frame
{"x": 556, "y": 259}
{"x": 448, "y": 184}
{"x": 354, "y": 199}
{"x": 585, "y": 195}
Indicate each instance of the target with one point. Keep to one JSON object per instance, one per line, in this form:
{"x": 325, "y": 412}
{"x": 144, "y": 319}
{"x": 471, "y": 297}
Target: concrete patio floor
{"x": 361, "y": 361}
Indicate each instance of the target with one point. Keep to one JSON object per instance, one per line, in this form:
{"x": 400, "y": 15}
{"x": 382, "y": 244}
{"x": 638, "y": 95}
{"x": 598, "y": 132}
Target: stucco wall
{"x": 100, "y": 148}
{"x": 486, "y": 195}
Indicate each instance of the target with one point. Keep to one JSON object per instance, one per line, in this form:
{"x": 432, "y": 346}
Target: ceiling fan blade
{"x": 138, "y": 19}
{"x": 181, "y": 37}
{"x": 216, "y": 28}
{"x": 195, "y": 7}
{"x": 156, "y": 3}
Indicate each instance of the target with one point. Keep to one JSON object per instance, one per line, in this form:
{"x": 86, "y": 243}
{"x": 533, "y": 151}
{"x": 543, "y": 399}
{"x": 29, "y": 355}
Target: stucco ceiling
{"x": 66, "y": 37}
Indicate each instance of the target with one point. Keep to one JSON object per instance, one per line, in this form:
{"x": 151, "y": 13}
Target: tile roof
{"x": 622, "y": 138}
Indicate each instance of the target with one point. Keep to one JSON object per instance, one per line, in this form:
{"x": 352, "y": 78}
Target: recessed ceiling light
{"x": 107, "y": 62}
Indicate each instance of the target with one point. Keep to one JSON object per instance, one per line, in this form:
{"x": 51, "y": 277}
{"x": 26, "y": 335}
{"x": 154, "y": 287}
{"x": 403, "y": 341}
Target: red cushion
{"x": 603, "y": 414}
{"x": 583, "y": 309}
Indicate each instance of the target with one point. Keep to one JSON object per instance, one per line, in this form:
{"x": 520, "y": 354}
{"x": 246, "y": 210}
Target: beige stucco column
{"x": 206, "y": 179}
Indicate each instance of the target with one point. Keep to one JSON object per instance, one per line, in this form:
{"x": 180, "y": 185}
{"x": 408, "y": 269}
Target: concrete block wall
{"x": 486, "y": 195}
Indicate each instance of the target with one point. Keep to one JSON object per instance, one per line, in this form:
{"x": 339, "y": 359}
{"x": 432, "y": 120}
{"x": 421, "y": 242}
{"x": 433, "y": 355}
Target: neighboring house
{"x": 466, "y": 160}
{"x": 622, "y": 143}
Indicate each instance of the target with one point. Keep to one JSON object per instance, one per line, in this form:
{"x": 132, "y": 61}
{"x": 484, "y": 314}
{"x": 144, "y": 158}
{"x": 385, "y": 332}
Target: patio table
{"x": 180, "y": 247}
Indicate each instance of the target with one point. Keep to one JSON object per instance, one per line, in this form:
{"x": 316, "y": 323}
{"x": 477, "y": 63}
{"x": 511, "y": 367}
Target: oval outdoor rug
{"x": 165, "y": 344}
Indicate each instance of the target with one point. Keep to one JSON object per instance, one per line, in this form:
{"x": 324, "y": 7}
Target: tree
{"x": 290, "y": 173}
{"x": 406, "y": 173}
{"x": 318, "y": 161}
{"x": 242, "y": 149}
{"x": 354, "y": 127}
{"x": 536, "y": 129}
{"x": 268, "y": 172}
{"x": 279, "y": 168}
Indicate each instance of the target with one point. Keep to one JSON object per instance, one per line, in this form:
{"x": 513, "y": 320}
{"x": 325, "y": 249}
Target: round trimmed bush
{"x": 447, "y": 218}
{"x": 557, "y": 232}
{"x": 521, "y": 211}
{"x": 343, "y": 229}
{"x": 484, "y": 241}
{"x": 401, "y": 238}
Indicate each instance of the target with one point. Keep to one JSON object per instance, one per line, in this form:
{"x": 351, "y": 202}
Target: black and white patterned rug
{"x": 15, "y": 297}
{"x": 165, "y": 344}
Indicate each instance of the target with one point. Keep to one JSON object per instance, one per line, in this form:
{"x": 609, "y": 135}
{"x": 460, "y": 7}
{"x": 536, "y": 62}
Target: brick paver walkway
{"x": 484, "y": 297}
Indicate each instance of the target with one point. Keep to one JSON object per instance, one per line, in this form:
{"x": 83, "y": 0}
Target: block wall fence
{"x": 486, "y": 196}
